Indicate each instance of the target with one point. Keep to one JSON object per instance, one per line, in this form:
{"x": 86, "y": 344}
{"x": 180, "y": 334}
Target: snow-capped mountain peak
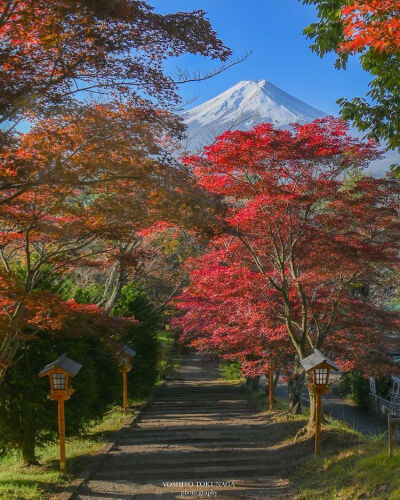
{"x": 242, "y": 106}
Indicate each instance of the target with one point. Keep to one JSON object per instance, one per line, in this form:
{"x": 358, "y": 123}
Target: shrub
{"x": 27, "y": 418}
{"x": 356, "y": 387}
{"x": 231, "y": 370}
{"x": 142, "y": 337}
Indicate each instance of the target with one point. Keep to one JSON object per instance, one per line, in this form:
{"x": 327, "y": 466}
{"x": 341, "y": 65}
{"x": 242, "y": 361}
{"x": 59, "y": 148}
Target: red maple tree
{"x": 304, "y": 251}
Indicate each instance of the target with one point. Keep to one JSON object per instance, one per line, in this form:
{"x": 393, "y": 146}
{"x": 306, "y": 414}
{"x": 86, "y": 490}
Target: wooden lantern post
{"x": 266, "y": 352}
{"x": 319, "y": 366}
{"x": 125, "y": 387}
{"x": 60, "y": 373}
{"x": 125, "y": 356}
{"x": 271, "y": 390}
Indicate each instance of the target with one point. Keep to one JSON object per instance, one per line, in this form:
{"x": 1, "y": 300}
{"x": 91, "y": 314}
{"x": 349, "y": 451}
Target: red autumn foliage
{"x": 304, "y": 255}
{"x": 372, "y": 24}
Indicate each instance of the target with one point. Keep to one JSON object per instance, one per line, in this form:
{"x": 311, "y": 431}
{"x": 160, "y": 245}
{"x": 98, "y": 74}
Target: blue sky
{"x": 272, "y": 29}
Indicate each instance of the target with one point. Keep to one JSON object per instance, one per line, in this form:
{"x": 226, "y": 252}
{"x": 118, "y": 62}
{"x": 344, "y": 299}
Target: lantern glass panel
{"x": 58, "y": 381}
{"x": 321, "y": 376}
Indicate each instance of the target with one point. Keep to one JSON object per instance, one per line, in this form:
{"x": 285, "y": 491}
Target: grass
{"x": 351, "y": 465}
{"x": 361, "y": 471}
{"x": 40, "y": 482}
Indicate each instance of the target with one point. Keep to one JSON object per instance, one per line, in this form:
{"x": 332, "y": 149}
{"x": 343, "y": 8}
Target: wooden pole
{"x": 61, "y": 433}
{"x": 125, "y": 390}
{"x": 160, "y": 359}
{"x": 318, "y": 415}
{"x": 390, "y": 435}
{"x": 271, "y": 390}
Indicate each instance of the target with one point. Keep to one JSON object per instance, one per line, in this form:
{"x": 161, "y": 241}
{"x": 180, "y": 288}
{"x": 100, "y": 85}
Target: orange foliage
{"x": 51, "y": 51}
{"x": 372, "y": 23}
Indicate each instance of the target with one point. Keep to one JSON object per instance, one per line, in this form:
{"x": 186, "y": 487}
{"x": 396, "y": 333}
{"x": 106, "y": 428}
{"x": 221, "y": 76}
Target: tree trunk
{"x": 116, "y": 293}
{"x": 267, "y": 384}
{"x": 12, "y": 339}
{"x": 254, "y": 382}
{"x": 113, "y": 287}
{"x": 110, "y": 282}
{"x": 28, "y": 447}
{"x": 309, "y": 430}
{"x": 295, "y": 386}
{"x": 276, "y": 380}
{"x": 274, "y": 383}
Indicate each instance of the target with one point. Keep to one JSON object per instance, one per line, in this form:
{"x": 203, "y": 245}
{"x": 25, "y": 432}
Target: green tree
{"x": 142, "y": 338}
{"x": 356, "y": 387}
{"x": 28, "y": 420}
{"x": 378, "y": 113}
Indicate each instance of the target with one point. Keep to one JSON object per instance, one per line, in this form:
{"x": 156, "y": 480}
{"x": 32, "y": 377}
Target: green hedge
{"x": 28, "y": 419}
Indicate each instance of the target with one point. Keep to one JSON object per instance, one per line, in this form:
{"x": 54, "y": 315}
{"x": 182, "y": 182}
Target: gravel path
{"x": 198, "y": 439}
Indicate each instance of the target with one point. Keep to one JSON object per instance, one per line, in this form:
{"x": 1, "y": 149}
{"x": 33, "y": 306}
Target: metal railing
{"x": 384, "y": 406}
{"x": 389, "y": 408}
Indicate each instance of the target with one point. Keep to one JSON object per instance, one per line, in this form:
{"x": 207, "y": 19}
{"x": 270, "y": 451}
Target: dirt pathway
{"x": 198, "y": 439}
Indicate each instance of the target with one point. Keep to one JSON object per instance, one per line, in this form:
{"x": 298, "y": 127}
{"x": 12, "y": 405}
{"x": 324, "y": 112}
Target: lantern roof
{"x": 127, "y": 352}
{"x": 315, "y": 359}
{"x": 64, "y": 364}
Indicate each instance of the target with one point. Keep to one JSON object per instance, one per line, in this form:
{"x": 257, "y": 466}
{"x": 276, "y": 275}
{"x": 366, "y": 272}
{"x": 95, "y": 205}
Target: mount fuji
{"x": 249, "y": 103}
{"x": 243, "y": 106}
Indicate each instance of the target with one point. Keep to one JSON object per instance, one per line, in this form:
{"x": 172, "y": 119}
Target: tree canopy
{"x": 53, "y": 51}
{"x": 371, "y": 30}
{"x": 299, "y": 249}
